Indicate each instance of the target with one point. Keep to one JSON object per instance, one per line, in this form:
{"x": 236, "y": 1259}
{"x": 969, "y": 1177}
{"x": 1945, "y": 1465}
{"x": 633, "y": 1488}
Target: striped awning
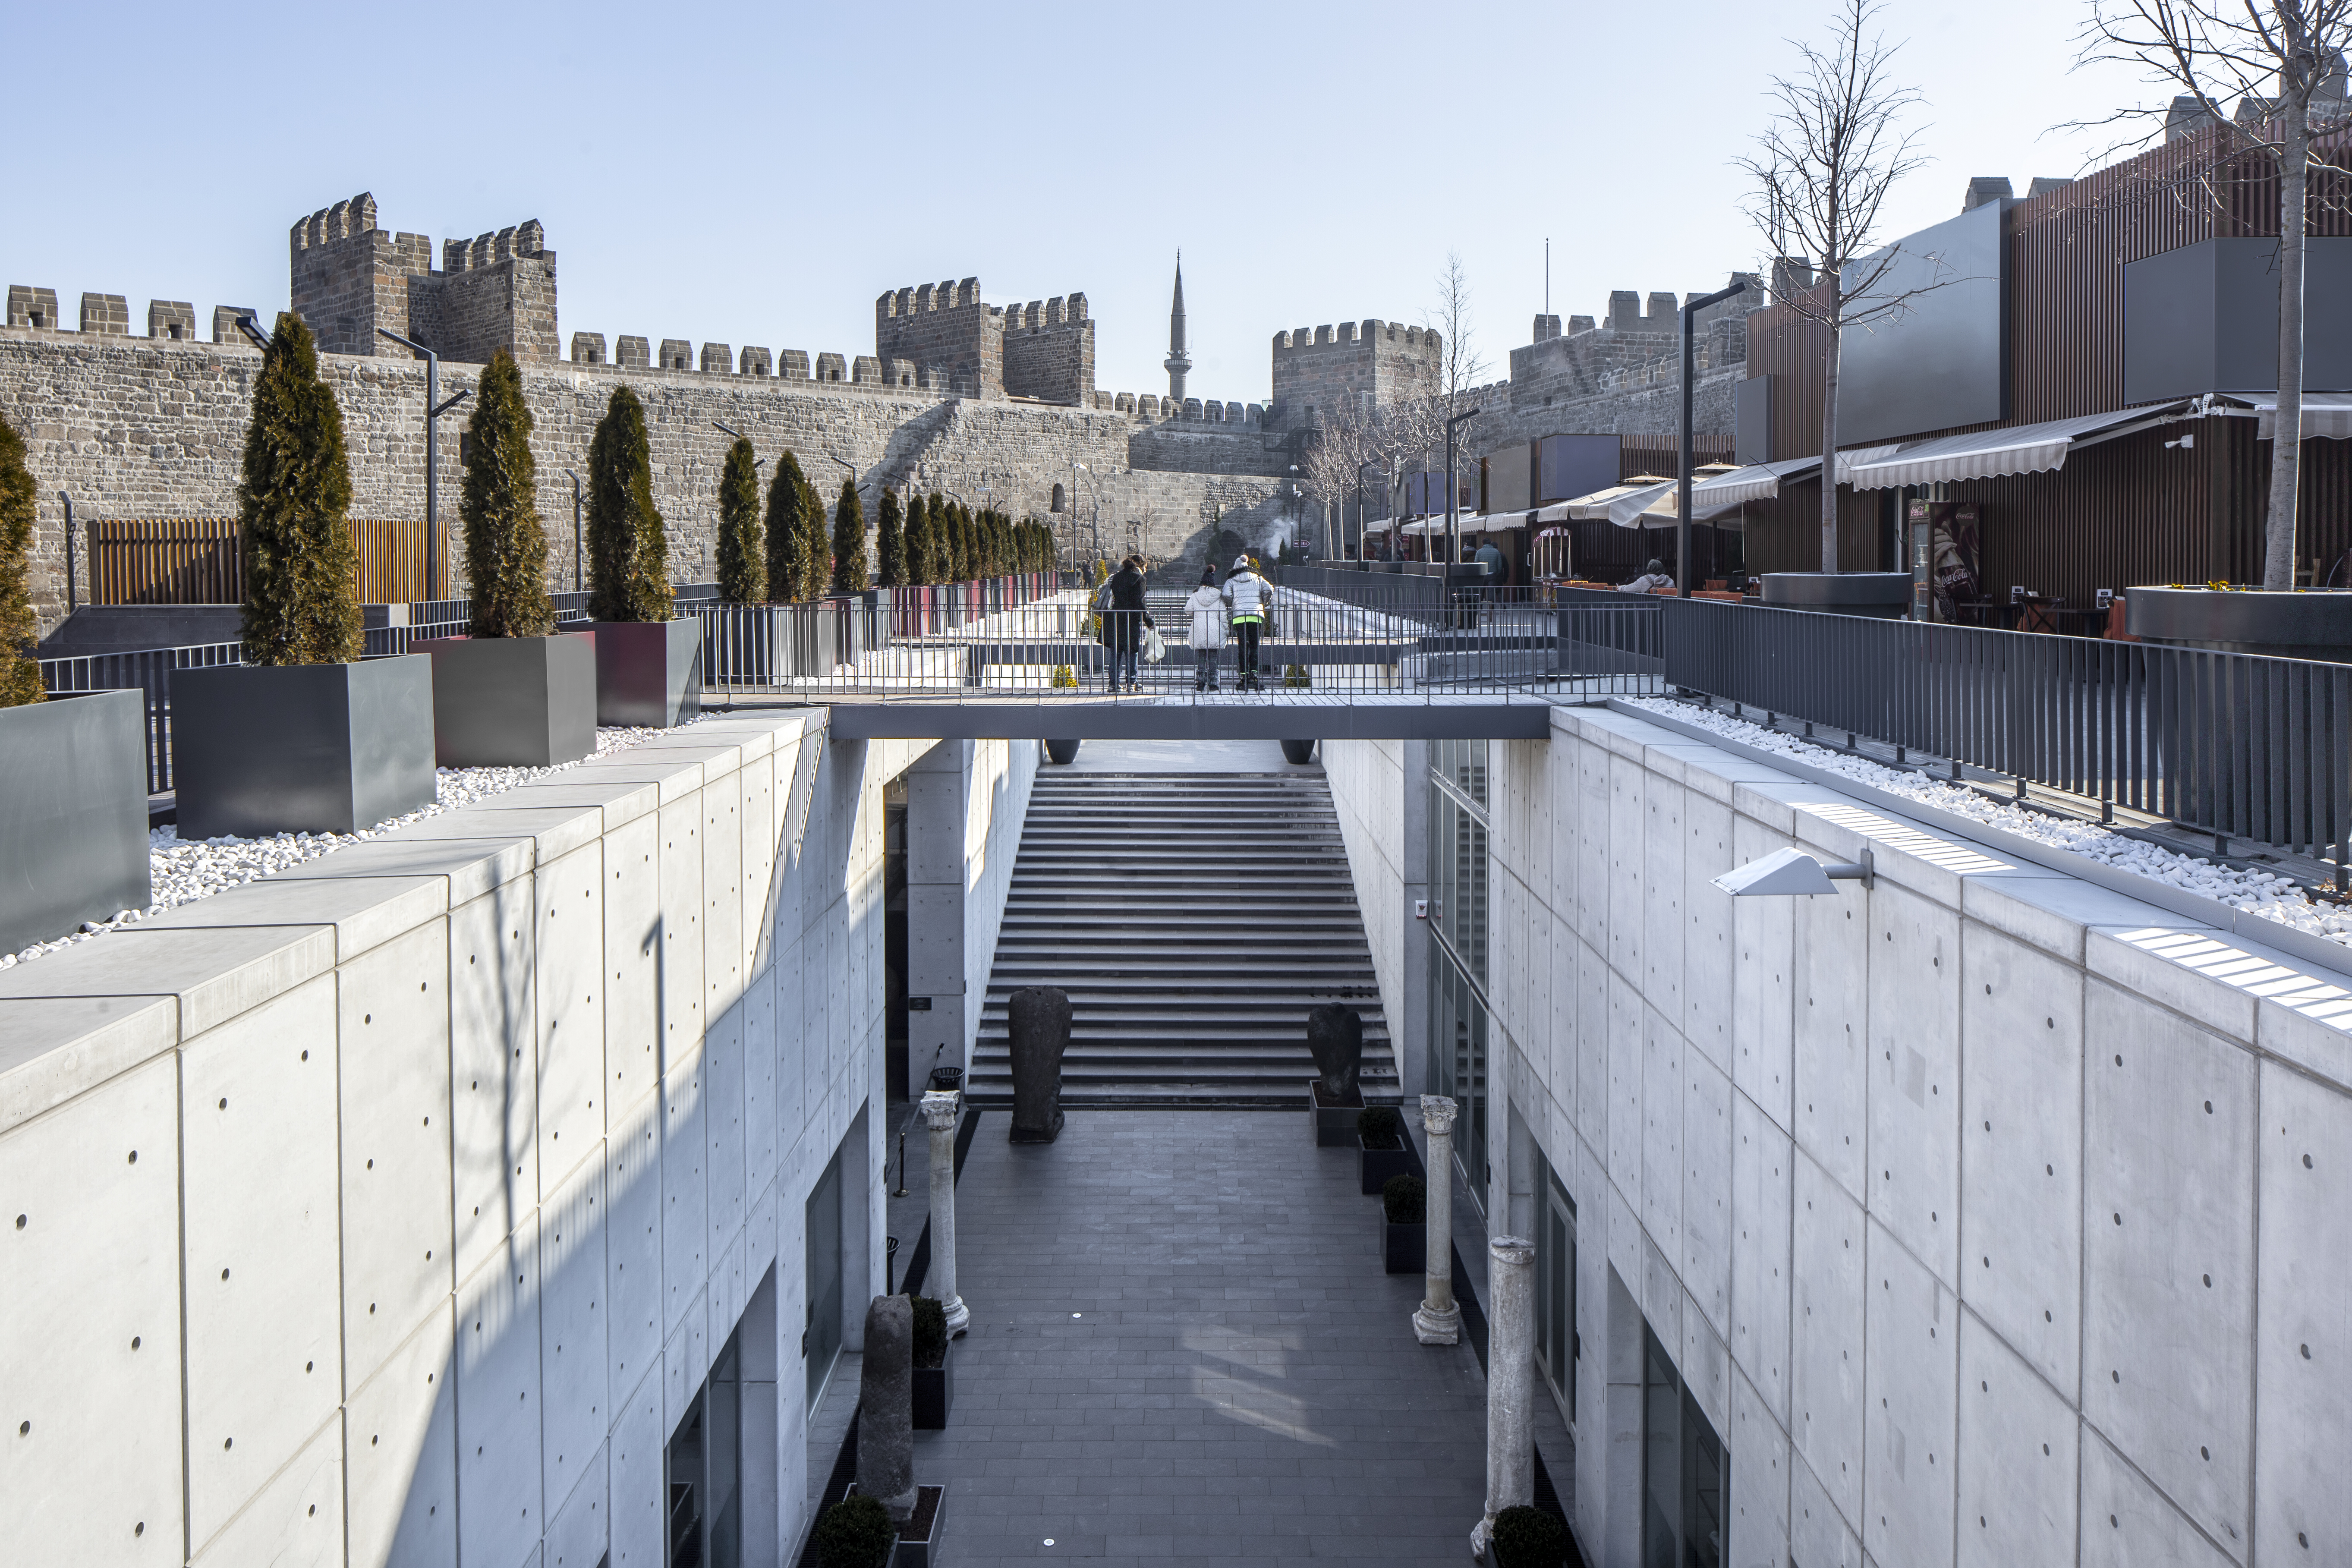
{"x": 2326, "y": 416}
{"x": 1988, "y": 454}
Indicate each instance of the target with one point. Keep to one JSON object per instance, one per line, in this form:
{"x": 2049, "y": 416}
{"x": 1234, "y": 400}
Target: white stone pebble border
{"x": 183, "y": 871}
{"x": 2265, "y": 894}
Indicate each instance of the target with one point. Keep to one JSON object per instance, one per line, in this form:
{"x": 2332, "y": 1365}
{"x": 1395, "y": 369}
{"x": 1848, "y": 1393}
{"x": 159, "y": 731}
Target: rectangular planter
{"x": 1405, "y": 1248}
{"x": 516, "y": 702}
{"x": 1335, "y": 1125}
{"x": 301, "y": 748}
{"x": 1380, "y": 1165}
{"x": 934, "y": 1394}
{"x": 649, "y": 672}
{"x": 73, "y": 814}
{"x": 918, "y": 1538}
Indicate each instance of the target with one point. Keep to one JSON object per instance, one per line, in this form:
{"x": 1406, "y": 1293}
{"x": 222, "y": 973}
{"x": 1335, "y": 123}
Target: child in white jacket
{"x": 1207, "y": 608}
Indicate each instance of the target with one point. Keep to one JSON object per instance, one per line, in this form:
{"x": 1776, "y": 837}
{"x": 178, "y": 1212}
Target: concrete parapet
{"x": 588, "y": 348}
{"x": 107, "y": 314}
{"x": 32, "y": 307}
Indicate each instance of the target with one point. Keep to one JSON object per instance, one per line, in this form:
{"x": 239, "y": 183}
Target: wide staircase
{"x": 1194, "y": 918}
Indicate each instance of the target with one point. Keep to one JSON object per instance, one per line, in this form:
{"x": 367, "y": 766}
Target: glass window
{"x": 1458, "y": 886}
{"x": 822, "y": 1344}
{"x": 1555, "y": 1345}
{"x": 1685, "y": 1471}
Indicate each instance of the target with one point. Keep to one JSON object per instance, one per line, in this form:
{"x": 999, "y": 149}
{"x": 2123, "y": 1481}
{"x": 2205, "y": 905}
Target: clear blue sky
{"x": 758, "y": 174}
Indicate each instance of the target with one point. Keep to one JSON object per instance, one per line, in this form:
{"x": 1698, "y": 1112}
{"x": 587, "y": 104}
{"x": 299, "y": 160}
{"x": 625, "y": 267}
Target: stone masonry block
{"x": 173, "y": 320}
{"x": 718, "y": 359}
{"x": 677, "y": 353}
{"x": 632, "y": 353}
{"x": 89, "y": 1287}
{"x": 2169, "y": 1327}
{"x": 2021, "y": 1149}
{"x": 106, "y": 315}
{"x": 258, "y": 1179}
{"x": 588, "y": 348}
{"x": 1910, "y": 1408}
{"x": 1914, "y": 1075}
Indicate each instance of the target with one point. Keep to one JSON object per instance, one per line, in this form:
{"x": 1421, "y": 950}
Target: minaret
{"x": 1179, "y": 362}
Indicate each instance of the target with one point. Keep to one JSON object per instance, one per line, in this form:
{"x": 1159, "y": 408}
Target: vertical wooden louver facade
{"x": 2134, "y": 509}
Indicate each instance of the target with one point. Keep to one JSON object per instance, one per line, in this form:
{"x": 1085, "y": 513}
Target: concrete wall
{"x": 966, "y": 801}
{"x": 392, "y": 1209}
{"x": 1384, "y": 821}
{"x": 1991, "y": 1217}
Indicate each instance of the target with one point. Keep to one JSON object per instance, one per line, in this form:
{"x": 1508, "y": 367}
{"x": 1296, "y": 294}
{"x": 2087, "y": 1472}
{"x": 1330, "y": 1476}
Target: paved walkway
{"x": 1184, "y": 1350}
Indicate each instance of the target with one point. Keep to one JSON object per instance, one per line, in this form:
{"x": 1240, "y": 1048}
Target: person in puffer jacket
{"x": 1207, "y": 608}
{"x": 1250, "y": 598}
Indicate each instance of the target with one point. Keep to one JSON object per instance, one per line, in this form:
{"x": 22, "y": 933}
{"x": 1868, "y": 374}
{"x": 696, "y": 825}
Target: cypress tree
{"x": 919, "y": 539}
{"x": 935, "y": 540}
{"x": 505, "y": 547}
{"x": 785, "y": 492}
{"x": 890, "y": 542}
{"x": 742, "y": 563}
{"x": 815, "y": 542}
{"x": 301, "y": 571}
{"x": 20, "y": 676}
{"x": 628, "y": 548}
{"x": 849, "y": 567}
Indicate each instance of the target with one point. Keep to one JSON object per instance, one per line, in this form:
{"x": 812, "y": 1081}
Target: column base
{"x": 959, "y": 1316}
{"x": 1437, "y": 1328}
{"x": 1482, "y": 1537}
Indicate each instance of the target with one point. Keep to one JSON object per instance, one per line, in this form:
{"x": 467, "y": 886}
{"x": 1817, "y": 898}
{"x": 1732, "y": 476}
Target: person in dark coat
{"x": 1123, "y": 623}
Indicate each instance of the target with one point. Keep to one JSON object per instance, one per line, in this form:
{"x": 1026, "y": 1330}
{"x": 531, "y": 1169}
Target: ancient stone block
{"x": 677, "y": 353}
{"x": 224, "y": 319}
{"x": 632, "y": 353}
{"x": 1037, "y": 1019}
{"x": 587, "y": 348}
{"x": 106, "y": 313}
{"x": 792, "y": 365}
{"x": 32, "y": 307}
{"x": 753, "y": 362}
{"x": 886, "y": 1409}
{"x": 171, "y": 319}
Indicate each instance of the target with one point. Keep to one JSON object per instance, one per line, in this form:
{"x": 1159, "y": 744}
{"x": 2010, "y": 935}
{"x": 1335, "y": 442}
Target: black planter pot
{"x": 517, "y": 703}
{"x": 934, "y": 1394}
{"x": 649, "y": 672}
{"x": 1884, "y": 595}
{"x": 1063, "y": 751}
{"x": 73, "y": 814}
{"x": 1380, "y": 1165}
{"x": 301, "y": 748}
{"x": 1299, "y": 752}
{"x": 1405, "y": 1248}
{"x": 1335, "y": 1123}
{"x": 2304, "y": 625}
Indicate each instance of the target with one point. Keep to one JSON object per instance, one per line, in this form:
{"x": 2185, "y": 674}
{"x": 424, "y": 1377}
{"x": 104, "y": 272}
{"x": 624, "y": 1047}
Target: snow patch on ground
{"x": 181, "y": 871}
{"x": 2266, "y": 894}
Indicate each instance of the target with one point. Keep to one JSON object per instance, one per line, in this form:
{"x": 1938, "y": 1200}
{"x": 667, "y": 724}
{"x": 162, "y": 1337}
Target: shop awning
{"x": 2326, "y": 416}
{"x": 1468, "y": 523}
{"x": 1757, "y": 481}
{"x": 1594, "y": 507}
{"x": 1988, "y": 454}
{"x": 1657, "y": 504}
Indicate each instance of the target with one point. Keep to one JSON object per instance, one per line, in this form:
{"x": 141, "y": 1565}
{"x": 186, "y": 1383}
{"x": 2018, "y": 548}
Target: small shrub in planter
{"x": 856, "y": 1532}
{"x": 787, "y": 534}
{"x": 934, "y": 1391}
{"x": 1404, "y": 1238}
{"x": 1380, "y": 1134}
{"x": 20, "y": 674}
{"x": 1527, "y": 1537}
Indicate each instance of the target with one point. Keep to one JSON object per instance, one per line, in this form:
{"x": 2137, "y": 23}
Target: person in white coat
{"x": 1207, "y": 608}
{"x": 1249, "y": 597}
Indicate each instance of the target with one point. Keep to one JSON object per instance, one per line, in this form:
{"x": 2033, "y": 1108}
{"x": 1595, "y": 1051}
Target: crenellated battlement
{"x": 1373, "y": 361}
{"x": 1208, "y": 412}
{"x": 351, "y": 280}
{"x": 1358, "y": 335}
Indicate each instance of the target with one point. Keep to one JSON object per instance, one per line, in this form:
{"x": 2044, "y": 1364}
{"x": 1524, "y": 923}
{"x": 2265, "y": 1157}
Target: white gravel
{"x": 2265, "y": 894}
{"x": 181, "y": 871}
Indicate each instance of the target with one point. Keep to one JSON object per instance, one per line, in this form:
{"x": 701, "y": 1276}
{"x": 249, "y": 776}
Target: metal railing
{"x": 2229, "y": 743}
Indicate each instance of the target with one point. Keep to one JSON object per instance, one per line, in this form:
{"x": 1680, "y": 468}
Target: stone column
{"x": 939, "y": 1114}
{"x": 1439, "y": 1320}
{"x": 885, "y": 1406}
{"x": 1510, "y": 1382}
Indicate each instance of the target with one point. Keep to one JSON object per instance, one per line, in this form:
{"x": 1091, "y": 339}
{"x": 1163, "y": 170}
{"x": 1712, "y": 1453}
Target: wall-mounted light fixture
{"x": 1790, "y": 873}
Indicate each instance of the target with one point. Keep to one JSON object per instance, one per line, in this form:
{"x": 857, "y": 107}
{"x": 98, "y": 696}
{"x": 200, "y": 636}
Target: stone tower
{"x": 1179, "y": 362}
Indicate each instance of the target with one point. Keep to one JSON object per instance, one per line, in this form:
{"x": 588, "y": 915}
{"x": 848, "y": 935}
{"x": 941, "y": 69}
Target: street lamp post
{"x": 575, "y": 530}
{"x": 434, "y": 409}
{"x": 1359, "y": 505}
{"x": 1683, "y": 475}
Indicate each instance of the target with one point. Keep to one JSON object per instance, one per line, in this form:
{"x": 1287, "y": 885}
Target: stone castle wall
{"x": 495, "y": 291}
{"x": 1324, "y": 367}
{"x": 1049, "y": 351}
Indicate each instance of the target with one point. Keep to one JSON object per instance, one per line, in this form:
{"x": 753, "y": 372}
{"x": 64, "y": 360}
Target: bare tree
{"x": 1823, "y": 169}
{"x": 2218, "y": 49}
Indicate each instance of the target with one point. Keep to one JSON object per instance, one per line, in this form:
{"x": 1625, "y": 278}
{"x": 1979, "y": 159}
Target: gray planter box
{"x": 1405, "y": 1248}
{"x": 516, "y": 702}
{"x": 934, "y": 1394}
{"x": 1380, "y": 1165}
{"x": 301, "y": 748}
{"x": 1334, "y": 1124}
{"x": 73, "y": 814}
{"x": 2304, "y": 624}
{"x": 1885, "y": 595}
{"x": 918, "y": 1546}
{"x": 649, "y": 672}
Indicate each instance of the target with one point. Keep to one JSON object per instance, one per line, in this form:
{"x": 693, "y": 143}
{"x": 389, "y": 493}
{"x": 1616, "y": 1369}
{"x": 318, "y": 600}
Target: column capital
{"x": 1437, "y": 1115}
{"x": 939, "y": 1108}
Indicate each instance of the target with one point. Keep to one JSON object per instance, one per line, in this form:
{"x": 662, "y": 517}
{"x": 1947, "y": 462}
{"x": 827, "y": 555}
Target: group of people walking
{"x": 1239, "y": 607}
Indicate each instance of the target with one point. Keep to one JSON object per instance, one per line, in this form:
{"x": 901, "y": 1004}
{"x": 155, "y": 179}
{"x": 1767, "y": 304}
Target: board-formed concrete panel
{"x": 632, "y": 972}
{"x": 1593, "y": 987}
{"x": 2021, "y": 1149}
{"x": 1760, "y": 1479}
{"x": 1663, "y": 919}
{"x": 686, "y": 1197}
{"x": 2017, "y": 1457}
{"x": 1833, "y": 1036}
{"x": 579, "y": 1536}
{"x": 1593, "y": 867}
{"x": 632, "y": 1250}
{"x": 573, "y": 1317}
{"x": 723, "y": 1131}
{"x": 258, "y": 1178}
{"x": 569, "y": 1012}
{"x": 1817, "y": 1533}
{"x": 1559, "y": 1048}
{"x": 722, "y": 897}
{"x": 682, "y": 994}
{"x": 399, "y": 1445}
{"x": 89, "y": 1288}
{"x": 1706, "y": 1366}
{"x": 1709, "y": 1005}
{"x": 392, "y": 1016}
{"x": 2305, "y": 1387}
{"x": 637, "y": 1482}
{"x": 1626, "y": 861}
{"x": 1912, "y": 1339}
{"x": 2127, "y": 1523}
{"x": 1662, "y": 1133}
{"x": 762, "y": 1119}
{"x": 2169, "y": 1253}
{"x": 1625, "y": 1068}
{"x": 1915, "y": 1076}
{"x": 493, "y": 1070}
{"x": 501, "y": 1511}
{"x": 1763, "y": 985}
{"x": 1762, "y": 1161}
{"x": 1708, "y": 1150}
{"x": 1825, "y": 1353}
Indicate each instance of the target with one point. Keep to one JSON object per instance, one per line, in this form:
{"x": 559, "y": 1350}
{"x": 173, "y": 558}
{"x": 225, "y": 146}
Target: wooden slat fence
{"x": 196, "y": 561}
